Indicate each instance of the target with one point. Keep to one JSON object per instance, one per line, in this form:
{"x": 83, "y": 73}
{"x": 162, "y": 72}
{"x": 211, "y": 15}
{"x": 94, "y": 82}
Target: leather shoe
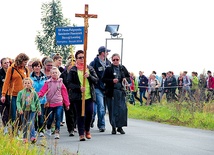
{"x": 113, "y": 131}
{"x": 88, "y": 135}
{"x": 120, "y": 130}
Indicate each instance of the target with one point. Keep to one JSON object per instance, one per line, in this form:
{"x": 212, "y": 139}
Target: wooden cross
{"x": 86, "y": 16}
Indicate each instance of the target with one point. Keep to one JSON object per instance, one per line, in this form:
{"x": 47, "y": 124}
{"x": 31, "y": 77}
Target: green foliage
{"x": 52, "y": 17}
{"x": 10, "y": 145}
{"x": 170, "y": 114}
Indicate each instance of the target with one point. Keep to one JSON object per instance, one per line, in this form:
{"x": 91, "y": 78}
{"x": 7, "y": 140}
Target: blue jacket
{"x": 99, "y": 69}
{"x": 143, "y": 86}
{"x": 38, "y": 83}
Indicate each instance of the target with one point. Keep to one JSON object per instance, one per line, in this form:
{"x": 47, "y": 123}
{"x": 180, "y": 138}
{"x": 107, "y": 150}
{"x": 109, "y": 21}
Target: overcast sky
{"x": 159, "y": 35}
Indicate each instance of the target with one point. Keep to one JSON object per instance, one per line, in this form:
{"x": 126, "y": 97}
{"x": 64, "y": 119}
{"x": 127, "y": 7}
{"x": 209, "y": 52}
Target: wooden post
{"x": 86, "y": 16}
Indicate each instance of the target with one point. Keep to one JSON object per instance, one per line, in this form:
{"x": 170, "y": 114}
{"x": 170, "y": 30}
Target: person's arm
{"x": 37, "y": 103}
{"x": 64, "y": 93}
{"x": 43, "y": 90}
{"x": 146, "y": 81}
{"x": 107, "y": 78}
{"x": 158, "y": 84}
{"x": 7, "y": 82}
{"x": 188, "y": 81}
{"x": 18, "y": 102}
{"x": 72, "y": 84}
{"x": 92, "y": 64}
{"x": 126, "y": 74}
{"x": 93, "y": 76}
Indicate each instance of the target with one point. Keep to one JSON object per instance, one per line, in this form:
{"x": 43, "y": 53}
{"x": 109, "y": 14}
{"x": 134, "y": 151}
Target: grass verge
{"x": 10, "y": 145}
{"x": 175, "y": 114}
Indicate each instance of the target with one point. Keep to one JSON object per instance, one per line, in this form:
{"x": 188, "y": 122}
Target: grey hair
{"x": 115, "y": 54}
{"x": 48, "y": 60}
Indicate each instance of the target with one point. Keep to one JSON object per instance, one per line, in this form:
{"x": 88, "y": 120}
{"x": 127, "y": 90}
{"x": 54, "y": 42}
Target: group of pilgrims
{"x": 36, "y": 96}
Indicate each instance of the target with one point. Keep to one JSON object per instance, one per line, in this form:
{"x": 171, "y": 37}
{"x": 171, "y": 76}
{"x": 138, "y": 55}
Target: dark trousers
{"x": 135, "y": 96}
{"x": 84, "y": 122}
{"x": 71, "y": 118}
{"x": 4, "y": 110}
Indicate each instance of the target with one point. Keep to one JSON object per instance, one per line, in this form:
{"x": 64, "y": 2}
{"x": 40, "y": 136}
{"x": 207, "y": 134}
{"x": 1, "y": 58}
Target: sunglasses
{"x": 115, "y": 60}
{"x": 80, "y": 58}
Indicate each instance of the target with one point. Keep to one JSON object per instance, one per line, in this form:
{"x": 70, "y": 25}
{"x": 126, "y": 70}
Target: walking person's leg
{"x": 144, "y": 95}
{"x": 69, "y": 119}
{"x": 13, "y": 108}
{"x": 88, "y": 117}
{"x": 58, "y": 112}
{"x": 31, "y": 122}
{"x": 110, "y": 112}
{"x": 100, "y": 110}
{"x": 24, "y": 118}
{"x": 41, "y": 123}
{"x": 94, "y": 114}
{"x": 50, "y": 115}
{"x": 80, "y": 120}
{"x": 141, "y": 98}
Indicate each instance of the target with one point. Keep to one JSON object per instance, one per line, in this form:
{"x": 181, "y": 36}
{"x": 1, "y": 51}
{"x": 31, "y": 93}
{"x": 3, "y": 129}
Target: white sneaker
{"x": 5, "y": 130}
{"x": 35, "y": 133}
{"x": 41, "y": 134}
{"x": 48, "y": 132}
{"x": 56, "y": 136}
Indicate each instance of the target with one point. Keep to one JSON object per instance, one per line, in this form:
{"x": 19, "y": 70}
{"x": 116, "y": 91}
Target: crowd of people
{"x": 36, "y": 94}
{"x": 153, "y": 88}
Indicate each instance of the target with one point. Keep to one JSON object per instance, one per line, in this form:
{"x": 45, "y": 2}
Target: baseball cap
{"x": 103, "y": 49}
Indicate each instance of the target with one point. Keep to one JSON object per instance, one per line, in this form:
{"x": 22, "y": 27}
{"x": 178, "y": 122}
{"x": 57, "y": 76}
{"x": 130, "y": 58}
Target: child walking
{"x": 56, "y": 94}
{"x": 27, "y": 105}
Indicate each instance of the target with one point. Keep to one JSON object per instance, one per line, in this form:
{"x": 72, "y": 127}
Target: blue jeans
{"x": 28, "y": 119}
{"x": 142, "y": 95}
{"x": 13, "y": 108}
{"x": 54, "y": 111}
{"x": 100, "y": 109}
{"x": 95, "y": 112}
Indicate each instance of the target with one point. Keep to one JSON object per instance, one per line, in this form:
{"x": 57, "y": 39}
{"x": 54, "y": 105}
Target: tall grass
{"x": 175, "y": 114}
{"x": 10, "y": 145}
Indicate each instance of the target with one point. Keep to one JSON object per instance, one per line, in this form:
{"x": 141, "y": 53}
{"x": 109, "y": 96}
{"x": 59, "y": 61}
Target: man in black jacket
{"x": 99, "y": 64}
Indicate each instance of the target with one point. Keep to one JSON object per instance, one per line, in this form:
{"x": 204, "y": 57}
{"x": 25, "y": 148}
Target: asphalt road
{"x": 141, "y": 138}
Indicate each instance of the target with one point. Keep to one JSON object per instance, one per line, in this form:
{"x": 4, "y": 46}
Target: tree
{"x": 52, "y": 17}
